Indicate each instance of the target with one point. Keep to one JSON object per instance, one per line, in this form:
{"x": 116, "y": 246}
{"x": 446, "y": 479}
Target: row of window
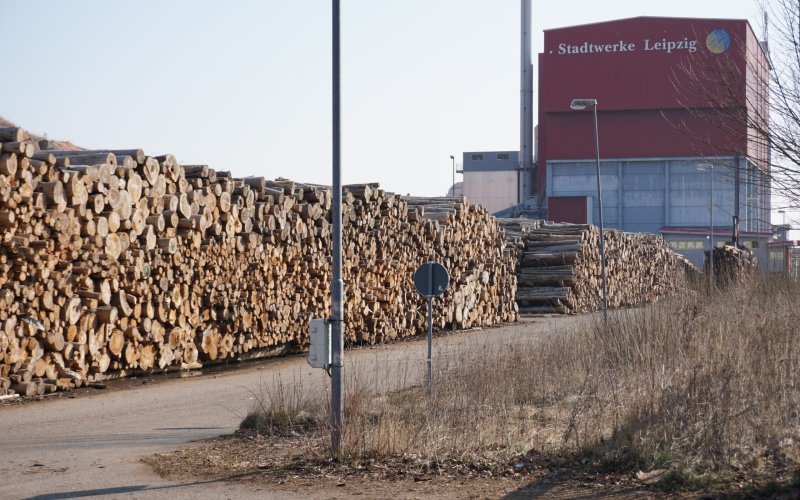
{"x": 701, "y": 244}
{"x": 776, "y": 255}
{"x": 687, "y": 245}
{"x": 498, "y": 156}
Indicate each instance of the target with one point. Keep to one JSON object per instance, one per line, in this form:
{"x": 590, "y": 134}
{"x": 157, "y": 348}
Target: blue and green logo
{"x": 718, "y": 41}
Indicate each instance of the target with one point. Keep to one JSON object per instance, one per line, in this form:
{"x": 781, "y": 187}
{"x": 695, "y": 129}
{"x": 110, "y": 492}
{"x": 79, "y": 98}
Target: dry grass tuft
{"x": 705, "y": 387}
{"x": 286, "y": 410}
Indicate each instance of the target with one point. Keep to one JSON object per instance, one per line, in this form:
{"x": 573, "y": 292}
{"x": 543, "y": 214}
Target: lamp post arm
{"x": 600, "y": 205}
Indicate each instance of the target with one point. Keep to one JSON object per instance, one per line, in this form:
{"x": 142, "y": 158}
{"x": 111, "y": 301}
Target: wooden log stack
{"x": 115, "y": 262}
{"x": 560, "y": 268}
{"x": 732, "y": 266}
{"x": 470, "y": 243}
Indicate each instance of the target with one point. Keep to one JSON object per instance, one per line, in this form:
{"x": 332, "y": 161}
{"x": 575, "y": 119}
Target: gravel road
{"x": 89, "y": 446}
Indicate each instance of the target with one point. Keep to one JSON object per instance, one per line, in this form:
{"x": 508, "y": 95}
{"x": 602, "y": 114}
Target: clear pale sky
{"x": 245, "y": 85}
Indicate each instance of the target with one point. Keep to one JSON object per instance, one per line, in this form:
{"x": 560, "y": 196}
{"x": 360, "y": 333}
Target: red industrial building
{"x": 672, "y": 160}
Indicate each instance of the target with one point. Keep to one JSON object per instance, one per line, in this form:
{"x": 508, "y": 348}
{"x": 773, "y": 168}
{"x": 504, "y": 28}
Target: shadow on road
{"x": 562, "y": 484}
{"x": 140, "y": 488}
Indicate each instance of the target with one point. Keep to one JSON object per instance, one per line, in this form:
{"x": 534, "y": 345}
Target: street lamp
{"x": 337, "y": 283}
{"x": 578, "y": 105}
{"x": 454, "y": 174}
{"x": 712, "y": 278}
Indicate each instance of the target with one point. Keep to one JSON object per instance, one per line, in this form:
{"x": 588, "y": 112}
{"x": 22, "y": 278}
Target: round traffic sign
{"x": 431, "y": 279}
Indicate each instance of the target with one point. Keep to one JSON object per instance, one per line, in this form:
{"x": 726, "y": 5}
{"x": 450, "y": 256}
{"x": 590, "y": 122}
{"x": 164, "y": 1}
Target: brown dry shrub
{"x": 701, "y": 384}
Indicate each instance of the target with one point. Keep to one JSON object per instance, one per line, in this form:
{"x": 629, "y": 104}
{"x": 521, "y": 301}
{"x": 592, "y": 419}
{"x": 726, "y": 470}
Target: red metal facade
{"x": 574, "y": 209}
{"x": 637, "y": 69}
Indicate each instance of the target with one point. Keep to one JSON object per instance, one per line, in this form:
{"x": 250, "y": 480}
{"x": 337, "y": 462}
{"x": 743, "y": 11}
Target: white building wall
{"x": 495, "y": 190}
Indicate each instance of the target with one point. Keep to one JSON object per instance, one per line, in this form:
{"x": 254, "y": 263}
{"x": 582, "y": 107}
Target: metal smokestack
{"x": 526, "y": 105}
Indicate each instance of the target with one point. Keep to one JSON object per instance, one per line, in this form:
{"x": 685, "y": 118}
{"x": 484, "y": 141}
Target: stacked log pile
{"x": 560, "y": 269}
{"x": 470, "y": 243}
{"x": 115, "y": 262}
{"x": 732, "y": 266}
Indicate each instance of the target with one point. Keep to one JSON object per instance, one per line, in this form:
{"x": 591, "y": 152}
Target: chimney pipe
{"x": 526, "y": 105}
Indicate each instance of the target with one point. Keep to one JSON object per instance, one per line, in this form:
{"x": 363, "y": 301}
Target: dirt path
{"x": 90, "y": 446}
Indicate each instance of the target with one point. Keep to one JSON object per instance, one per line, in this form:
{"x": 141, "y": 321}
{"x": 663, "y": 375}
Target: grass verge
{"x": 702, "y": 388}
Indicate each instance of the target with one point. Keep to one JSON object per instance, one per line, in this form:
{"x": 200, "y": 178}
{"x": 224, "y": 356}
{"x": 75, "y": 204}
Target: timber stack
{"x": 732, "y": 266}
{"x": 471, "y": 244}
{"x": 560, "y": 269}
{"x": 116, "y": 262}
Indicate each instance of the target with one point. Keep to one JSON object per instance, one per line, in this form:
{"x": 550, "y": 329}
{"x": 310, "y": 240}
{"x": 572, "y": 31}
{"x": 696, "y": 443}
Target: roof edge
{"x": 745, "y": 21}
{"x": 651, "y": 17}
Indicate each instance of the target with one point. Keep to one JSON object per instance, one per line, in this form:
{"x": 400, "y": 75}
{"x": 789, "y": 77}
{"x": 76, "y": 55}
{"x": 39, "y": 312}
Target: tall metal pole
{"x": 711, "y": 217}
{"x": 600, "y": 204}
{"x": 526, "y": 101}
{"x": 337, "y": 316}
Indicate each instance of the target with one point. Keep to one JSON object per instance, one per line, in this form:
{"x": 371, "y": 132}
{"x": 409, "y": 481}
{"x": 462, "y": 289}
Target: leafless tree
{"x": 752, "y": 96}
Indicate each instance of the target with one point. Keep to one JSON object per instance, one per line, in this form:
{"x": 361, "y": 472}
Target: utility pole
{"x": 337, "y": 286}
{"x": 600, "y": 205}
{"x": 711, "y": 217}
{"x": 526, "y": 102}
{"x": 577, "y": 105}
{"x": 712, "y": 280}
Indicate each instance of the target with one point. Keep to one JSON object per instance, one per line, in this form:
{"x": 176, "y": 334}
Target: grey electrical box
{"x": 319, "y": 352}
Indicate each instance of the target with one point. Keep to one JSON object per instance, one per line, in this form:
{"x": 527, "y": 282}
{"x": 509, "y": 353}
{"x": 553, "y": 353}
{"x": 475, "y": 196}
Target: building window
{"x": 687, "y": 245}
{"x": 775, "y": 255}
{"x": 751, "y": 244}
{"x": 502, "y": 156}
{"x": 478, "y": 157}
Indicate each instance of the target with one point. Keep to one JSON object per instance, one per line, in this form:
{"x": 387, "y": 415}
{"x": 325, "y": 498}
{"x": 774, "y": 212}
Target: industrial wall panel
{"x": 685, "y": 167}
{"x": 610, "y": 197}
{"x": 638, "y": 78}
{"x": 582, "y": 176}
{"x": 643, "y": 215}
{"x": 610, "y": 215}
{"x": 702, "y": 197}
{"x": 679, "y": 195}
{"x": 642, "y": 198}
{"x": 648, "y": 133}
{"x": 491, "y": 161}
{"x": 692, "y": 179}
{"x": 687, "y": 216}
{"x": 569, "y": 183}
{"x": 692, "y": 198}
{"x": 643, "y": 175}
{"x": 645, "y": 227}
{"x": 573, "y": 209}
{"x": 493, "y": 190}
{"x": 635, "y": 69}
{"x": 575, "y": 168}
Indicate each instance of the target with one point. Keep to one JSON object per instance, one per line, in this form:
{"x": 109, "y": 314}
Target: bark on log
{"x": 133, "y": 263}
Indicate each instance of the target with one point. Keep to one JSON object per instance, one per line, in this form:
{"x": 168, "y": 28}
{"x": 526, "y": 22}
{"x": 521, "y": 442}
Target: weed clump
{"x": 705, "y": 387}
{"x": 283, "y": 409}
